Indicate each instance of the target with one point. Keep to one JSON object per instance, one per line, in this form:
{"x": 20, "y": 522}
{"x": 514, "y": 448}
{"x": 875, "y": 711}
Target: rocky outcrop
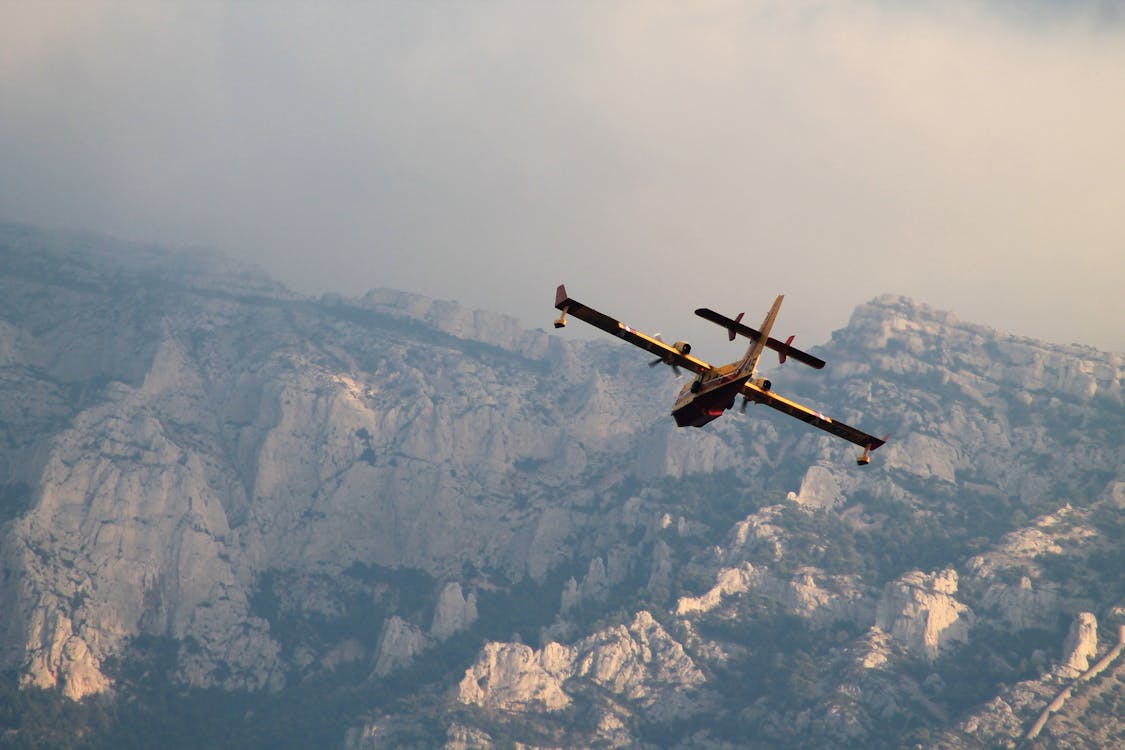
{"x": 1060, "y": 702}
{"x": 146, "y": 507}
{"x": 1011, "y": 579}
{"x": 640, "y": 662}
{"x": 1080, "y": 646}
{"x": 399, "y": 643}
{"x": 187, "y": 436}
{"x": 821, "y": 600}
{"x": 275, "y": 486}
{"x": 460, "y": 737}
{"x": 454, "y": 611}
{"x": 516, "y": 677}
{"x": 920, "y": 611}
{"x": 730, "y": 581}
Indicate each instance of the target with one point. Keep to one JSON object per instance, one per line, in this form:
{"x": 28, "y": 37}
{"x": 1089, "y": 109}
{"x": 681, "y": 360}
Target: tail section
{"x": 785, "y": 349}
{"x": 749, "y": 363}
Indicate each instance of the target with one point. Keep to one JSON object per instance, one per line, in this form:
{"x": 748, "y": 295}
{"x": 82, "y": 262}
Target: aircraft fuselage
{"x": 713, "y": 397}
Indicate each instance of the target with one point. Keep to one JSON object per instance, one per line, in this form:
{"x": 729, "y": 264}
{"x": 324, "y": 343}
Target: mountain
{"x": 234, "y": 515}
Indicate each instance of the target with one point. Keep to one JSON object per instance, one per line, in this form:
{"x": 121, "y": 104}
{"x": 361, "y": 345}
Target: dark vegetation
{"x": 15, "y": 498}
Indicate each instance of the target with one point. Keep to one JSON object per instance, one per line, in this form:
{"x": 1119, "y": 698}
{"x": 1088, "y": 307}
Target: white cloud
{"x": 655, "y": 156}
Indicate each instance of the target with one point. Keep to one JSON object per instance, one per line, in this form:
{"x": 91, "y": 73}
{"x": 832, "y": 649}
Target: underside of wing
{"x": 815, "y": 418}
{"x": 783, "y": 348}
{"x": 667, "y": 353}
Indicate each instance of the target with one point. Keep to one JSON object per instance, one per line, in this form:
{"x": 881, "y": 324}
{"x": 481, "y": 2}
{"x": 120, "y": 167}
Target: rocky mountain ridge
{"x": 283, "y": 489}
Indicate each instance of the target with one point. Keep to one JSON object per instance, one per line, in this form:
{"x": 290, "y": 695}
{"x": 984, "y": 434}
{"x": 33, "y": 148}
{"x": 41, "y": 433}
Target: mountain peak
{"x": 94, "y": 261}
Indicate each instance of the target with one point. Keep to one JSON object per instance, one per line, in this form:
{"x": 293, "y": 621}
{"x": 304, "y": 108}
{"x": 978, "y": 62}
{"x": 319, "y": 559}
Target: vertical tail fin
{"x": 749, "y": 363}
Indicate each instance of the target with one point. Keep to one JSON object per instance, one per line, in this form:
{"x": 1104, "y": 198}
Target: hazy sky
{"x": 654, "y": 156}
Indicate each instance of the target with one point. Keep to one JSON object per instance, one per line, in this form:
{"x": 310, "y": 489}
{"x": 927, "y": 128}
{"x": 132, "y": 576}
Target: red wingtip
{"x": 560, "y": 295}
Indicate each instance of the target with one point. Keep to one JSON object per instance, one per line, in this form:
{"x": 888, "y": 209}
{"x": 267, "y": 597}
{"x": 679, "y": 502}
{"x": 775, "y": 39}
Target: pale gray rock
{"x": 820, "y": 488}
{"x": 454, "y": 611}
{"x": 1025, "y": 604}
{"x": 661, "y": 569}
{"x": 1011, "y": 578}
{"x": 640, "y": 662}
{"x": 595, "y": 584}
{"x": 671, "y": 452}
{"x": 1080, "y": 646}
{"x": 810, "y": 594}
{"x": 920, "y": 611}
{"x": 187, "y": 451}
{"x": 461, "y": 737}
{"x": 997, "y": 721}
{"x": 729, "y": 581}
{"x": 222, "y": 429}
{"x": 875, "y": 649}
{"x": 148, "y": 506}
{"x": 924, "y": 456}
{"x": 399, "y": 643}
{"x": 515, "y": 677}
{"x": 571, "y": 595}
{"x": 754, "y": 533}
{"x": 1114, "y": 495}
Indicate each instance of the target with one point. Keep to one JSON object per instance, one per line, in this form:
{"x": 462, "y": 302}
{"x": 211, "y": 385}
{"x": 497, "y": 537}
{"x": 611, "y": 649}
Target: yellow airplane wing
{"x": 669, "y": 354}
{"x": 815, "y": 418}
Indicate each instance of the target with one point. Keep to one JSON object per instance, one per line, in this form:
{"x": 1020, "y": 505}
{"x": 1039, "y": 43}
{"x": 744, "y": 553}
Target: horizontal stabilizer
{"x": 784, "y": 349}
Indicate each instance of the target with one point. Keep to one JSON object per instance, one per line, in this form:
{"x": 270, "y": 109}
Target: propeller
{"x": 673, "y": 365}
{"x": 659, "y": 360}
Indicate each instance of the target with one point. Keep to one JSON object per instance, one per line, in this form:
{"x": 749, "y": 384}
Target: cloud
{"x": 655, "y": 156}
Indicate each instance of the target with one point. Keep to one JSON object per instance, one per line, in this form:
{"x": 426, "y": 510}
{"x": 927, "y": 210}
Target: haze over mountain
{"x": 964, "y": 152}
{"x": 238, "y": 516}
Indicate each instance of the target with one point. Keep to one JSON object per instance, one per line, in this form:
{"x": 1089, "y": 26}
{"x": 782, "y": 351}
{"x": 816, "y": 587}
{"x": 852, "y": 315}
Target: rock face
{"x": 213, "y": 439}
{"x": 203, "y": 472}
{"x": 819, "y": 599}
{"x": 175, "y": 433}
{"x": 1012, "y": 577}
{"x": 1081, "y": 645}
{"x": 398, "y": 645}
{"x": 920, "y": 611}
{"x": 639, "y": 662}
{"x": 454, "y": 612}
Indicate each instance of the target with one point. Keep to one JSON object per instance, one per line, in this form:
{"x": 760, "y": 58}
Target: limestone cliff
{"x": 389, "y": 496}
{"x": 920, "y": 610}
{"x": 639, "y": 662}
{"x": 172, "y": 438}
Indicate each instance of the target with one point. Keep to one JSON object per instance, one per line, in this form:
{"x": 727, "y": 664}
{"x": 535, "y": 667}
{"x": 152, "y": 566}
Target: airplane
{"x": 715, "y": 389}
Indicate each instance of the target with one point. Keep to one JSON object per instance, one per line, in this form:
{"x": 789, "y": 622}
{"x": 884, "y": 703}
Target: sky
{"x": 655, "y": 156}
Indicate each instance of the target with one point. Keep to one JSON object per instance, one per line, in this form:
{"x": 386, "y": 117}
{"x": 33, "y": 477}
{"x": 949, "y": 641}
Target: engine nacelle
{"x": 682, "y": 347}
{"x": 763, "y": 383}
